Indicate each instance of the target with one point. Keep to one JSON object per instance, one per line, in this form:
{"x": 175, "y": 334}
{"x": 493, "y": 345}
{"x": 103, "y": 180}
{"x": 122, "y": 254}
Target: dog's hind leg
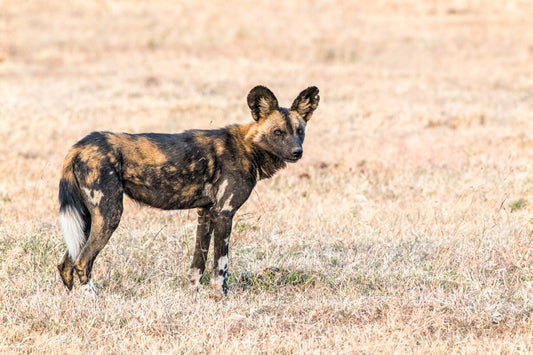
{"x": 105, "y": 207}
{"x": 204, "y": 232}
{"x": 102, "y": 228}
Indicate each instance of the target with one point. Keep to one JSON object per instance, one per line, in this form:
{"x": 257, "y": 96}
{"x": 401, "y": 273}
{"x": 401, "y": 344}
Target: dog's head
{"x": 281, "y": 131}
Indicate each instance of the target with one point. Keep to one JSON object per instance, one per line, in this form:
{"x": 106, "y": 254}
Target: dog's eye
{"x": 278, "y": 132}
{"x": 300, "y": 131}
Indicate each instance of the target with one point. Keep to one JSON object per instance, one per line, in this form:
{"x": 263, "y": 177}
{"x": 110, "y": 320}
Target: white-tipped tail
{"x": 72, "y": 227}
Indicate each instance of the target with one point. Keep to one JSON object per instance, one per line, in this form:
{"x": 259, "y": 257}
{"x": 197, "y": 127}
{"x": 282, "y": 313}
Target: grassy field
{"x": 406, "y": 228}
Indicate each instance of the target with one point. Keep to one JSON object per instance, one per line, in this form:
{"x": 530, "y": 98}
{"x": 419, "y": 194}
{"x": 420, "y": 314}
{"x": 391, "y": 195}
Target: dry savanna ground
{"x": 406, "y": 227}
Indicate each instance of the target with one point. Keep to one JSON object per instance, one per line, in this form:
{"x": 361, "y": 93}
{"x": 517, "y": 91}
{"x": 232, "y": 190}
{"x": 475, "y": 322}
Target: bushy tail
{"x": 74, "y": 216}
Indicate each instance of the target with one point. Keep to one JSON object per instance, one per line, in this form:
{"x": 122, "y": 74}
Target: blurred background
{"x": 409, "y": 88}
{"x": 413, "y": 93}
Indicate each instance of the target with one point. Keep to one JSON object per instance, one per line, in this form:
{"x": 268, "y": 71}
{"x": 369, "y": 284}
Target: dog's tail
{"x": 74, "y": 216}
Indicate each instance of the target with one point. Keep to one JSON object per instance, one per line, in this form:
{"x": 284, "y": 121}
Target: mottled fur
{"x": 211, "y": 170}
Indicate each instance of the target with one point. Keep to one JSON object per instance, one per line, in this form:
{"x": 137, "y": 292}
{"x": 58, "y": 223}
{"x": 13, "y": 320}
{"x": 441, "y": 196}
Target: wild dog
{"x": 211, "y": 170}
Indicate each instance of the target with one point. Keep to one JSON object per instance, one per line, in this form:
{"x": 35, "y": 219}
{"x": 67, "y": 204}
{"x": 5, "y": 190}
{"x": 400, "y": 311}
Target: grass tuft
{"x": 518, "y": 204}
{"x": 272, "y": 279}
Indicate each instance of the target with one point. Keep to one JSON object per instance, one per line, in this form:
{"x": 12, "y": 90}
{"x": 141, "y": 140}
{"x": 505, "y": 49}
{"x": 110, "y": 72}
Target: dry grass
{"x": 407, "y": 226}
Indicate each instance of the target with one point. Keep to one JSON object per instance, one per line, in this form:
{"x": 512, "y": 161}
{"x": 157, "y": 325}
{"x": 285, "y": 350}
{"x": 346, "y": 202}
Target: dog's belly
{"x": 168, "y": 190}
{"x": 169, "y": 197}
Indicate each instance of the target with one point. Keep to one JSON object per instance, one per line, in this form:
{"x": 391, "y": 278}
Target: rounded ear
{"x": 261, "y": 102}
{"x": 306, "y": 102}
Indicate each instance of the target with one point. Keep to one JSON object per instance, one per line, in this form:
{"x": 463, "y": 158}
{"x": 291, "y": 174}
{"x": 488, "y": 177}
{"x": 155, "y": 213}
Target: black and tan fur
{"x": 211, "y": 170}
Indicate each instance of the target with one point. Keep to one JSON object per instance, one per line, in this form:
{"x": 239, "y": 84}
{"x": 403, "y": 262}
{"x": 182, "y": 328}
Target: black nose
{"x": 297, "y": 153}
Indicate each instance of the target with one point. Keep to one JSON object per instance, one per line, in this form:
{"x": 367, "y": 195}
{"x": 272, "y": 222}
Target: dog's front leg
{"x": 222, "y": 230}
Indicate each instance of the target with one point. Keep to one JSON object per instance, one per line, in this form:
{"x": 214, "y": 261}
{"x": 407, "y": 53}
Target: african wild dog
{"x": 212, "y": 170}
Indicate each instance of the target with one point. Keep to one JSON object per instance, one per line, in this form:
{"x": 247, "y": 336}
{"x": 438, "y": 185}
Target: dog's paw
{"x": 194, "y": 276}
{"x": 89, "y": 290}
{"x": 217, "y": 294}
{"x": 219, "y": 288}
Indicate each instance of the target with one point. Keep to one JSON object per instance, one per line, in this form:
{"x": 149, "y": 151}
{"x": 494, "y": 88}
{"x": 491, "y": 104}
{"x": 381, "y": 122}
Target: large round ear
{"x": 306, "y": 102}
{"x": 261, "y": 102}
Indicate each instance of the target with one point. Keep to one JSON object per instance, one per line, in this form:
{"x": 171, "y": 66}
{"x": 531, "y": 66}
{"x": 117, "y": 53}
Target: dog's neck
{"x": 265, "y": 163}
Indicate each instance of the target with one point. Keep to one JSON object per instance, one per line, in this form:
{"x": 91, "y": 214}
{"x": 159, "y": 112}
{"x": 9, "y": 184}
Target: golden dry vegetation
{"x": 406, "y": 227}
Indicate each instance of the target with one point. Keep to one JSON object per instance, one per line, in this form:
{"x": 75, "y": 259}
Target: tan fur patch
{"x": 211, "y": 166}
{"x": 303, "y": 105}
{"x": 202, "y": 139}
{"x": 248, "y": 131}
{"x": 141, "y": 150}
{"x": 92, "y": 158}
{"x": 190, "y": 190}
{"x": 68, "y": 164}
{"x": 245, "y": 164}
{"x": 93, "y": 196}
{"x": 219, "y": 147}
{"x": 296, "y": 120}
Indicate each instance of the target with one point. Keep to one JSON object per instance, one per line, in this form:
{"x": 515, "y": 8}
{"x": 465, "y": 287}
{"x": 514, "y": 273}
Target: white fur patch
{"x": 227, "y": 204}
{"x": 222, "y": 190}
{"x": 218, "y": 280}
{"x": 208, "y": 191}
{"x": 297, "y": 122}
{"x": 72, "y": 227}
{"x": 264, "y": 105}
{"x": 194, "y": 276}
{"x": 223, "y": 263}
